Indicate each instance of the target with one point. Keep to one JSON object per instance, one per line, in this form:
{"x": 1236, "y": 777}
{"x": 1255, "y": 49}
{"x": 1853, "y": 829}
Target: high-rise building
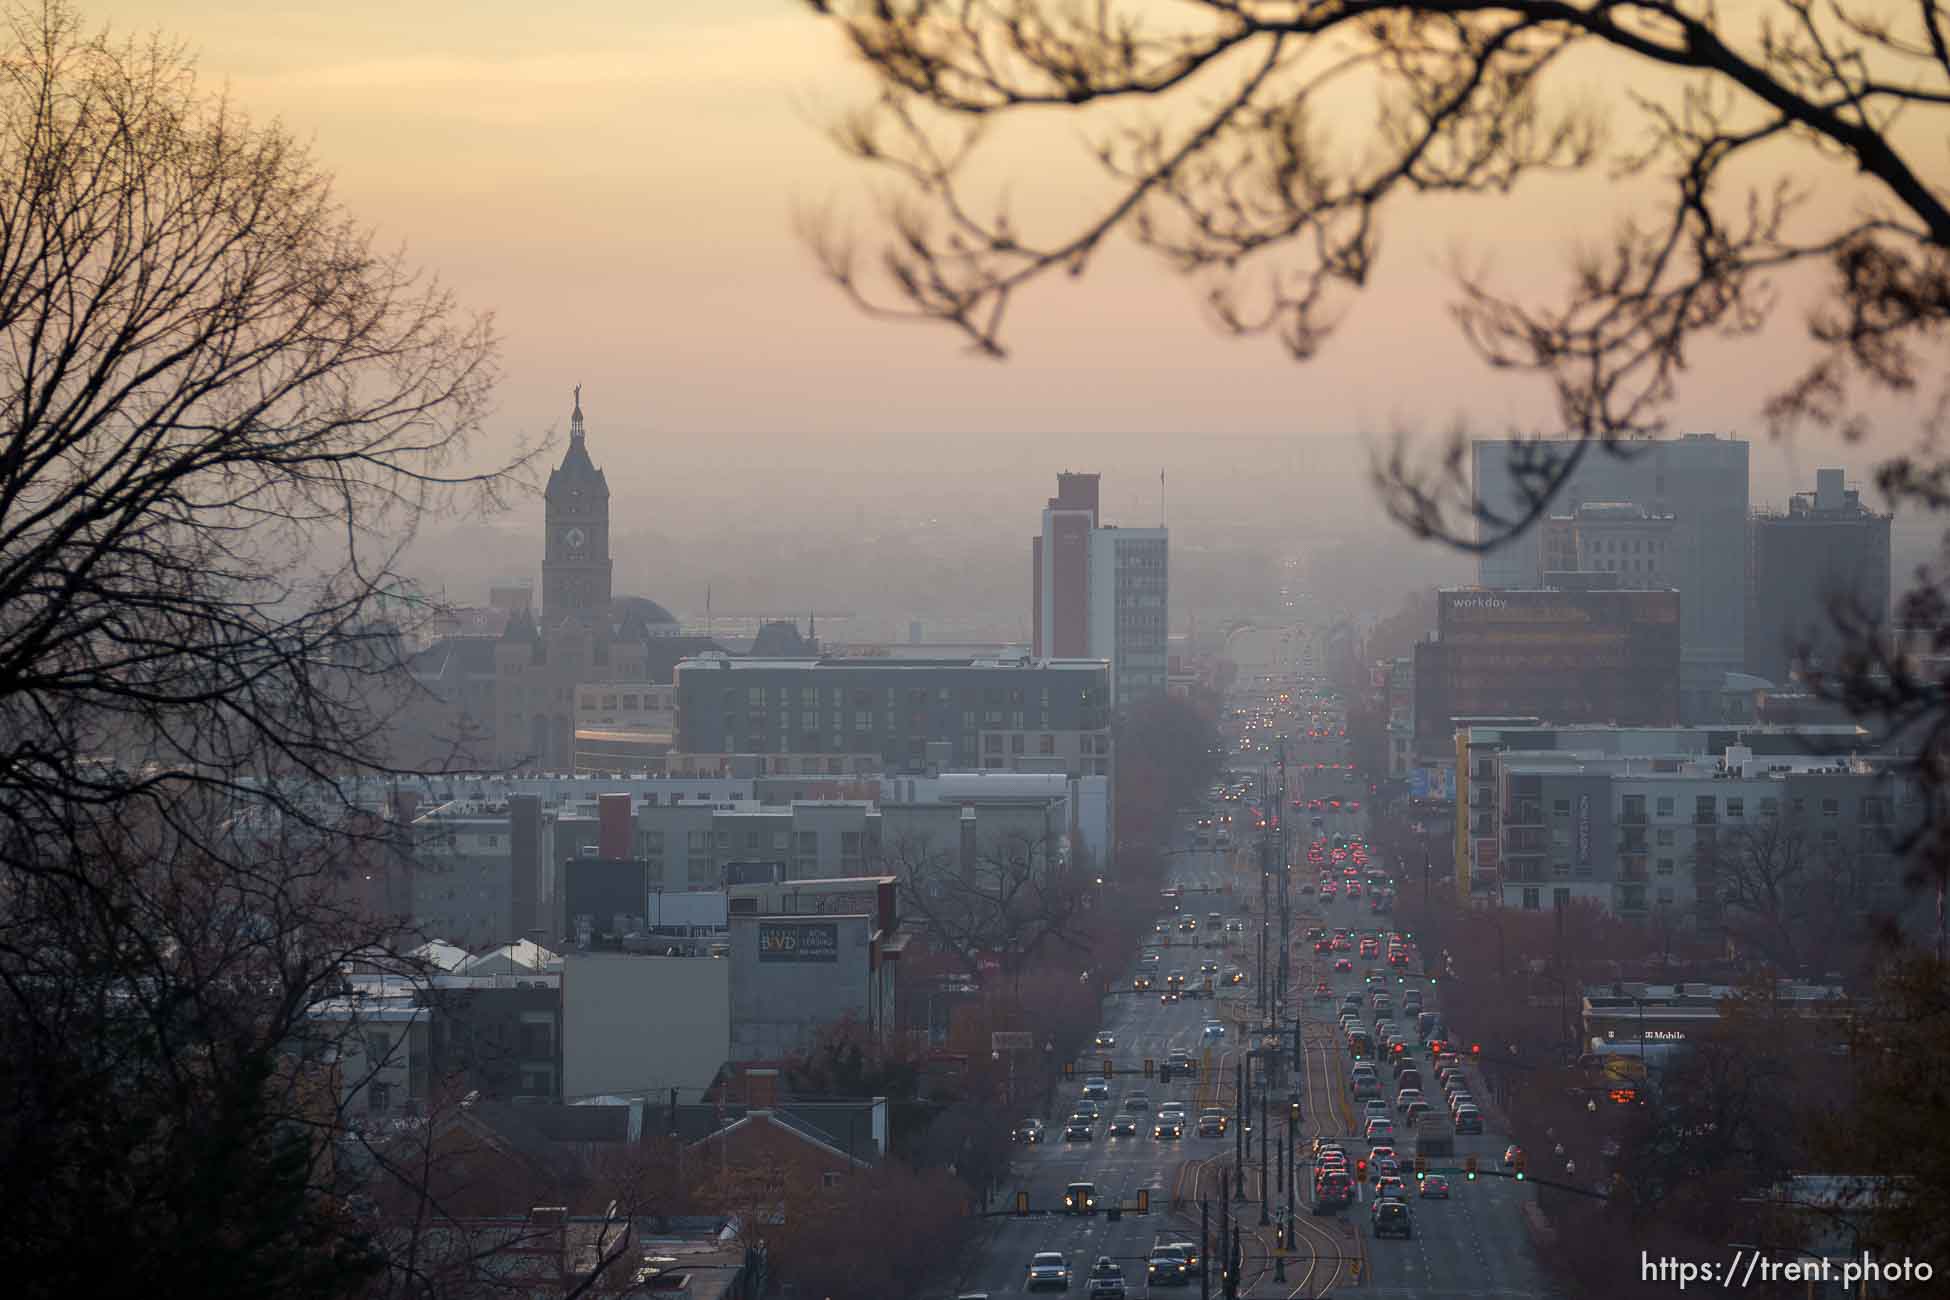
{"x": 1826, "y": 546}
{"x": 1693, "y": 491}
{"x": 1563, "y": 656}
{"x": 1100, "y": 592}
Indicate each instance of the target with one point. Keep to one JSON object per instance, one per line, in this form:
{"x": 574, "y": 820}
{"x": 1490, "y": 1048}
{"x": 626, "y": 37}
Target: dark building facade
{"x": 1563, "y": 656}
{"x": 1020, "y": 714}
{"x": 1826, "y": 546}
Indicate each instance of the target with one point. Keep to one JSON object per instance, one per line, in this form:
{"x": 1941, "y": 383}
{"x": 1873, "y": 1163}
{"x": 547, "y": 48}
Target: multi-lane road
{"x": 1470, "y": 1247}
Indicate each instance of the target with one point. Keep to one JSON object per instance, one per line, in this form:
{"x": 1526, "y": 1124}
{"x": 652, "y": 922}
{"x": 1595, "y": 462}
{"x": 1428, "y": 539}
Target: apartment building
{"x": 1016, "y": 714}
{"x": 1636, "y": 834}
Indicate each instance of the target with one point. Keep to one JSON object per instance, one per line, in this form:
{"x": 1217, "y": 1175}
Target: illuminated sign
{"x": 1584, "y": 830}
{"x": 798, "y": 942}
{"x": 1665, "y": 1035}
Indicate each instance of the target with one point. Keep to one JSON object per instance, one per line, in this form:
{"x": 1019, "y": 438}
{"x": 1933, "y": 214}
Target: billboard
{"x": 798, "y": 941}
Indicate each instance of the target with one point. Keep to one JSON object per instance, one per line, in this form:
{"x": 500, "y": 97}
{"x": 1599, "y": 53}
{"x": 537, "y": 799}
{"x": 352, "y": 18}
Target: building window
{"x": 1530, "y": 900}
{"x": 1560, "y": 898}
{"x": 1015, "y": 743}
{"x": 1665, "y": 896}
{"x": 1705, "y": 807}
{"x": 830, "y": 1178}
{"x": 1046, "y": 745}
{"x": 1560, "y": 807}
{"x": 1665, "y": 866}
{"x": 1831, "y": 807}
{"x": 1664, "y": 806}
{"x": 991, "y": 744}
{"x": 1736, "y": 806}
{"x": 1664, "y": 836}
{"x": 1770, "y": 807}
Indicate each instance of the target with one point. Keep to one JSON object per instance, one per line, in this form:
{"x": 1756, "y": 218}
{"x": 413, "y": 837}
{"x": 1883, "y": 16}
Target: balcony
{"x": 1632, "y": 817}
{"x": 1524, "y": 812}
{"x": 1706, "y": 819}
{"x": 1632, "y": 841}
{"x": 1632, "y": 871}
{"x": 1518, "y": 840}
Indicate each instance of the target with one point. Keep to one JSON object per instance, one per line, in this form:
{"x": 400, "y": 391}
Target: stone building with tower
{"x": 506, "y": 698}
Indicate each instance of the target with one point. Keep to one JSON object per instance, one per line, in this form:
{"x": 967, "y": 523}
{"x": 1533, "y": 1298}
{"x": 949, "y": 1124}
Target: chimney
{"x": 761, "y": 1088}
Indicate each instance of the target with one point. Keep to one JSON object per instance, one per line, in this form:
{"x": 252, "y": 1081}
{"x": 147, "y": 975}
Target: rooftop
{"x": 906, "y": 665}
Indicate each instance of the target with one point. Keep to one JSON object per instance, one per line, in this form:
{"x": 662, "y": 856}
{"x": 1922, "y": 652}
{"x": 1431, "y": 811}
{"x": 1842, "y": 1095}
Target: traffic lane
{"x": 1475, "y": 1241}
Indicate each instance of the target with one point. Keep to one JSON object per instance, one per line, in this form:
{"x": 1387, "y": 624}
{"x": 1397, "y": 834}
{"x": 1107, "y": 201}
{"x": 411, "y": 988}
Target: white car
{"x": 1048, "y": 1268}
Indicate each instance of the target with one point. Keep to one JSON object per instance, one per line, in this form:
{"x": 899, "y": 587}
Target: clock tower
{"x": 576, "y": 568}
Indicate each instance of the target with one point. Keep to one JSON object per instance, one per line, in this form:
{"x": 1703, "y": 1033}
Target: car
{"x": 1170, "y": 996}
{"x": 1235, "y": 977}
{"x": 1210, "y": 1127}
{"x": 1390, "y": 1186}
{"x": 1106, "y": 1278}
{"x": 1435, "y": 1188}
{"x": 1047, "y": 1268}
{"x": 1214, "y": 1112}
{"x": 1379, "y": 1130}
{"x": 1096, "y": 1090}
{"x": 1384, "y": 1166}
{"x": 1413, "y": 1112}
{"x": 1213, "y": 1029}
{"x": 1150, "y": 959}
{"x": 1167, "y": 1266}
{"x": 1079, "y": 1131}
{"x": 1137, "y": 1101}
{"x": 1141, "y": 984}
{"x": 1080, "y": 1198}
{"x": 1030, "y": 1130}
{"x": 1208, "y": 967}
{"x": 1180, "y": 1059}
{"x": 1322, "y": 993}
{"x": 1332, "y": 1190}
{"x": 1390, "y": 1219}
{"x": 1105, "y": 1038}
{"x": 1343, "y": 964}
{"x": 1469, "y": 1120}
{"x": 1087, "y": 1109}
{"x": 1173, "y": 1110}
{"x": 1407, "y": 1096}
{"x": 1168, "y": 1130}
{"x": 1122, "y": 1127}
{"x": 1188, "y": 925}
{"x": 1375, "y": 1109}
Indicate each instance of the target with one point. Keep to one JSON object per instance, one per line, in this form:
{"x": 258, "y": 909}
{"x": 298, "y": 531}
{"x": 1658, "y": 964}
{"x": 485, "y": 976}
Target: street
{"x": 1473, "y": 1245}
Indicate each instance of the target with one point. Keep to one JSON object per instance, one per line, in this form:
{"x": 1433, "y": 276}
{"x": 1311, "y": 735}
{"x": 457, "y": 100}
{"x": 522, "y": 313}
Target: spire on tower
{"x": 575, "y": 420}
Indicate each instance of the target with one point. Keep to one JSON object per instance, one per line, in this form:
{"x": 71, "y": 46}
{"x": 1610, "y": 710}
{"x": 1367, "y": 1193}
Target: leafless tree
{"x": 1761, "y": 874}
{"x": 226, "y": 411}
{"x": 1237, "y": 176}
{"x": 1013, "y": 897}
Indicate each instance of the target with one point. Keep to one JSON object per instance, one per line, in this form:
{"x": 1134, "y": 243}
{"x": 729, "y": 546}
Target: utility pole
{"x": 1225, "y": 1229}
{"x": 1262, "y": 965}
{"x": 1239, "y": 1129}
{"x": 1265, "y": 1187}
{"x": 1232, "y": 1285}
{"x": 1204, "y": 1249}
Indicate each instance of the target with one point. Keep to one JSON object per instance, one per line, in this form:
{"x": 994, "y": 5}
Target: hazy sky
{"x": 616, "y": 178}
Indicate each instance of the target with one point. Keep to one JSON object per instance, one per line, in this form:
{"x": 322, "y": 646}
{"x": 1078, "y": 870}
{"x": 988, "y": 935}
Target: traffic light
{"x": 1293, "y": 1112}
{"x": 1164, "y": 1073}
{"x": 1107, "y": 1067}
{"x": 1069, "y": 1069}
{"x": 1148, "y": 1065}
{"x": 1519, "y": 1163}
{"x": 1469, "y": 1168}
{"x": 1361, "y": 1170}
{"x": 1475, "y": 1049}
{"x": 1421, "y": 1168}
{"x": 1022, "y": 1202}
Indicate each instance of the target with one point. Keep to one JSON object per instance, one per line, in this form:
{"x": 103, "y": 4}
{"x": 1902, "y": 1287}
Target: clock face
{"x": 576, "y": 539}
